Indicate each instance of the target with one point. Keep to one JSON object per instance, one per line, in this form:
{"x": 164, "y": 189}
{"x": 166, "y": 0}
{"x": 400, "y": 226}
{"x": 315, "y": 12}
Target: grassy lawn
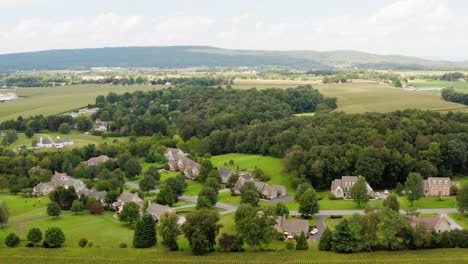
{"x": 463, "y": 180}
{"x": 461, "y": 219}
{"x": 25, "y": 208}
{"x": 103, "y": 230}
{"x": 193, "y": 188}
{"x": 227, "y": 198}
{"x": 459, "y": 86}
{"x": 331, "y": 223}
{"x": 327, "y": 204}
{"x": 272, "y": 167}
{"x": 55, "y": 100}
{"x": 429, "y": 202}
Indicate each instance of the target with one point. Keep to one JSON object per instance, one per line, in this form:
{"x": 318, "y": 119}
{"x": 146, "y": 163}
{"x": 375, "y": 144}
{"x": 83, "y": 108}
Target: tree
{"x": 359, "y": 191}
{"x": 130, "y": 213}
{"x": 281, "y": 209}
{"x": 325, "y": 242}
{"x": 153, "y": 172}
{"x": 201, "y": 229}
{"x": 148, "y": 183}
{"x": 4, "y": 213}
{"x": 301, "y": 188}
{"x": 343, "y": 239}
{"x": 391, "y": 202}
{"x": 53, "y": 209}
{"x": 414, "y": 187}
{"x": 96, "y": 208}
{"x": 391, "y": 224}
{"x": 250, "y": 197}
{"x": 205, "y": 168}
{"x": 34, "y": 235}
{"x": 64, "y": 128}
{"x": 29, "y": 132}
{"x": 232, "y": 180}
{"x": 209, "y": 193}
{"x": 145, "y": 232}
{"x": 165, "y": 196}
{"x": 225, "y": 242}
{"x": 203, "y": 202}
{"x": 54, "y": 237}
{"x": 213, "y": 183}
{"x": 169, "y": 230}
{"x": 12, "y": 240}
{"x": 302, "y": 242}
{"x": 64, "y": 197}
{"x": 132, "y": 168}
{"x": 177, "y": 185}
{"x": 462, "y": 199}
{"x": 256, "y": 228}
{"x": 77, "y": 206}
{"x": 308, "y": 203}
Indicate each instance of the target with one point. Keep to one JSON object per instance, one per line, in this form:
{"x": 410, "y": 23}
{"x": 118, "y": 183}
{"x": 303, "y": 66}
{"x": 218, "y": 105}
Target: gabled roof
{"x": 129, "y": 197}
{"x": 292, "y": 226}
{"x": 97, "y": 160}
{"x": 158, "y": 210}
{"x": 429, "y": 222}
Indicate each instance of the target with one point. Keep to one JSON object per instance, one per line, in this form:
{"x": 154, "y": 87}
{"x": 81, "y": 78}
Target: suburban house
{"x": 100, "y": 125}
{"x": 93, "y": 193}
{"x": 97, "y": 160}
{"x": 225, "y": 174}
{"x": 59, "y": 179}
{"x": 47, "y": 142}
{"x": 341, "y": 188}
{"x": 266, "y": 191}
{"x": 126, "y": 197}
{"x": 157, "y": 211}
{"x": 438, "y": 224}
{"x": 178, "y": 161}
{"x": 438, "y": 186}
{"x": 292, "y": 227}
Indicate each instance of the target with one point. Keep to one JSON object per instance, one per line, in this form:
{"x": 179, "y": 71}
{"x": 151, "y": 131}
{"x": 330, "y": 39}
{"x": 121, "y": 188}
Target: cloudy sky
{"x": 426, "y": 28}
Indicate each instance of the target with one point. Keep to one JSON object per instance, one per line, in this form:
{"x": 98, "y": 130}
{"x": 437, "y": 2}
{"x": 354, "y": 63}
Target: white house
{"x": 341, "y": 188}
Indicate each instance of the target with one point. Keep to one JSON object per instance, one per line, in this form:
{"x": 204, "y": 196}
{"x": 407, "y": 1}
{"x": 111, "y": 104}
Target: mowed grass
{"x": 227, "y": 198}
{"x": 367, "y": 96}
{"x": 103, "y": 230}
{"x": 459, "y": 86}
{"x": 461, "y": 219}
{"x": 25, "y": 208}
{"x": 273, "y": 167}
{"x": 54, "y": 100}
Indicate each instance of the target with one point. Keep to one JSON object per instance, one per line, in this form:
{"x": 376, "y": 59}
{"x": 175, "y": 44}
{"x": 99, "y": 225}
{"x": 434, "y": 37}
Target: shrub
{"x": 54, "y": 237}
{"x": 77, "y": 206}
{"x": 29, "y": 244}
{"x": 290, "y": 245}
{"x": 336, "y": 216}
{"x": 12, "y": 240}
{"x": 34, "y": 235}
{"x": 90, "y": 244}
{"x": 123, "y": 245}
{"x": 96, "y": 208}
{"x": 53, "y": 209}
{"x": 83, "y": 242}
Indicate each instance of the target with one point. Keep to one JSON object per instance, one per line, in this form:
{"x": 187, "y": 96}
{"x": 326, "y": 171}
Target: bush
{"x": 123, "y": 245}
{"x": 336, "y": 216}
{"x": 90, "y": 244}
{"x": 29, "y": 244}
{"x": 34, "y": 235}
{"x": 54, "y": 237}
{"x": 96, "y": 208}
{"x": 83, "y": 242}
{"x": 290, "y": 245}
{"x": 53, "y": 209}
{"x": 12, "y": 240}
{"x": 77, "y": 206}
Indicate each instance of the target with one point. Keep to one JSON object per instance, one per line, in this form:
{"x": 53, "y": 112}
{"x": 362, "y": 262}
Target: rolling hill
{"x": 193, "y": 56}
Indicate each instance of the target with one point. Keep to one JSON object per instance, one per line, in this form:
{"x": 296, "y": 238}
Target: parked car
{"x": 314, "y": 231}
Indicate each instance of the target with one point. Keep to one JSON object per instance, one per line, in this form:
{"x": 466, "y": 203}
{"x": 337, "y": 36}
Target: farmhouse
{"x": 292, "y": 227}
{"x": 438, "y": 186}
{"x": 438, "y": 224}
{"x": 157, "y": 211}
{"x": 47, "y": 142}
{"x": 178, "y": 161}
{"x": 59, "y": 179}
{"x": 126, "y": 197}
{"x": 341, "y": 188}
{"x": 97, "y": 160}
{"x": 266, "y": 191}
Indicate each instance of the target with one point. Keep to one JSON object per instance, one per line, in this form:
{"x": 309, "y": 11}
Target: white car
{"x": 314, "y": 231}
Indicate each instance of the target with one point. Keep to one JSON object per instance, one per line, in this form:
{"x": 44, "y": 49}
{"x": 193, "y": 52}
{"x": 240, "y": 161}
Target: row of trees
{"x": 449, "y": 94}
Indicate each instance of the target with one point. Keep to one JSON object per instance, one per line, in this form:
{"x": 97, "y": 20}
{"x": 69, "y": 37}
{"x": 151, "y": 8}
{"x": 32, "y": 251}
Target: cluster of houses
{"x": 47, "y": 142}
{"x": 433, "y": 186}
{"x": 266, "y": 191}
{"x": 178, "y": 161}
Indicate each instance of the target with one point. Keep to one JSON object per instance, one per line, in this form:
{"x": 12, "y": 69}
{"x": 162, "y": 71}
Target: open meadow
{"x": 54, "y": 100}
{"x": 459, "y": 86}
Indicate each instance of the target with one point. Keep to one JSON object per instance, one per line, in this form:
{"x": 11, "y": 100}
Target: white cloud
{"x": 410, "y": 27}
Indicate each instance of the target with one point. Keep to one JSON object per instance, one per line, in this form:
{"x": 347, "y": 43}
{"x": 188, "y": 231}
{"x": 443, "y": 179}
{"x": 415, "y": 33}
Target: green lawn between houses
{"x": 461, "y": 219}
{"x": 273, "y": 167}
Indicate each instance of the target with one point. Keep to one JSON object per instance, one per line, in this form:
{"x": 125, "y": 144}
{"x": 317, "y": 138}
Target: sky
{"x": 435, "y": 29}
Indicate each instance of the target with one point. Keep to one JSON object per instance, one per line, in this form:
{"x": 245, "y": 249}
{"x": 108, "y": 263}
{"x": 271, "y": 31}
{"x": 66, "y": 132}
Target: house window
{"x": 440, "y": 181}
{"x": 446, "y": 182}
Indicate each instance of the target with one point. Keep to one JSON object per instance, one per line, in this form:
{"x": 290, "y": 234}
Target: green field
{"x": 54, "y": 100}
{"x": 366, "y": 96}
{"x": 24, "y": 208}
{"x": 461, "y": 219}
{"x": 459, "y": 86}
{"x": 272, "y": 167}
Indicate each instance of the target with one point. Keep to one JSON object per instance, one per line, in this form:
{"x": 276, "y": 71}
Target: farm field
{"x": 54, "y": 100}
{"x": 366, "y": 96}
{"x": 272, "y": 167}
{"x": 459, "y": 86}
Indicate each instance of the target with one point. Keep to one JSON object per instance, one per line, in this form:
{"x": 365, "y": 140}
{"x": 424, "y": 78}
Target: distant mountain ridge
{"x": 195, "y": 56}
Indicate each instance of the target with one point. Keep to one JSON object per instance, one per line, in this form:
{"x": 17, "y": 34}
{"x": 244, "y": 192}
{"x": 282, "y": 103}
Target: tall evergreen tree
{"x": 302, "y": 242}
{"x": 145, "y": 232}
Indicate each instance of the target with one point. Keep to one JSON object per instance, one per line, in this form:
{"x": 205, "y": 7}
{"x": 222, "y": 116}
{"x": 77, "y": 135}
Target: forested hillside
{"x": 195, "y": 56}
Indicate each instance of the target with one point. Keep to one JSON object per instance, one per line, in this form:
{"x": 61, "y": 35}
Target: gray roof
{"x": 129, "y": 197}
{"x": 97, "y": 160}
{"x": 158, "y": 210}
{"x": 292, "y": 226}
{"x": 225, "y": 174}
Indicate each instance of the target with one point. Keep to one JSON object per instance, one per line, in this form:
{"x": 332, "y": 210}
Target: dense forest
{"x": 383, "y": 147}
